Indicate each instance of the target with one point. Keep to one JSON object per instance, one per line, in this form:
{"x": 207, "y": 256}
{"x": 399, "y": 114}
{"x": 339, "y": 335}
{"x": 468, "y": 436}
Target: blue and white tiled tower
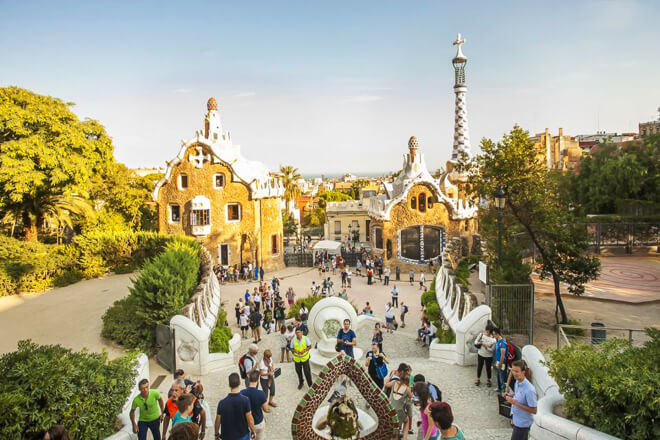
{"x": 461, "y": 132}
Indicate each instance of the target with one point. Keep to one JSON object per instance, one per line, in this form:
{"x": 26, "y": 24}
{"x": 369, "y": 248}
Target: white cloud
{"x": 365, "y": 98}
{"x": 245, "y": 94}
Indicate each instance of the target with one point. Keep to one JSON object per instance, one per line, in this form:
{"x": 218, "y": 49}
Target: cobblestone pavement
{"x": 475, "y": 408}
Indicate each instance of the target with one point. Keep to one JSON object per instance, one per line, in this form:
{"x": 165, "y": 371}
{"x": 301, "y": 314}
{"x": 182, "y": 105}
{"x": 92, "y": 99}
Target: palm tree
{"x": 290, "y": 177}
{"x": 54, "y": 212}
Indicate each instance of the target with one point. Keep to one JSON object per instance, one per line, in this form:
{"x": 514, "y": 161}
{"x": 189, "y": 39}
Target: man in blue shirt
{"x": 236, "y": 413}
{"x": 523, "y": 402}
{"x": 500, "y": 359}
{"x": 258, "y": 404}
{"x": 346, "y": 338}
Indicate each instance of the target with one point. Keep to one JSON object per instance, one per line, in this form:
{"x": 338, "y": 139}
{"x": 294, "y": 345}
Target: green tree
{"x": 357, "y": 186}
{"x": 536, "y": 202}
{"x": 615, "y": 173}
{"x": 289, "y": 223}
{"x": 332, "y": 196}
{"x": 290, "y": 177}
{"x": 46, "y": 152}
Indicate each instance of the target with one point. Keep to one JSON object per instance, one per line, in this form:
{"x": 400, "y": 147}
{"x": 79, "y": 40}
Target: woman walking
{"x": 389, "y": 317}
{"x": 267, "y": 378}
{"x": 485, "y": 344}
{"x": 401, "y": 399}
{"x": 421, "y": 390}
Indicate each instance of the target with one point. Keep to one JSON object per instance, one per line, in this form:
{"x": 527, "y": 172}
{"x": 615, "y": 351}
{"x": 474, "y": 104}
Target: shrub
{"x": 220, "y": 336}
{"x": 162, "y": 289}
{"x": 574, "y": 331}
{"x": 309, "y": 302}
{"x": 613, "y": 387}
{"x": 121, "y": 325}
{"x": 44, "y": 385}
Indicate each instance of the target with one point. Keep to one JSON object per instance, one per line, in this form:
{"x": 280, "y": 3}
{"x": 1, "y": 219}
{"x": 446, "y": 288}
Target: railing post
{"x": 558, "y": 329}
{"x": 630, "y": 338}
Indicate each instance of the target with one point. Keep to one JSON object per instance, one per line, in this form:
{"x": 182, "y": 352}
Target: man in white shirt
{"x": 387, "y": 272}
{"x": 257, "y": 301}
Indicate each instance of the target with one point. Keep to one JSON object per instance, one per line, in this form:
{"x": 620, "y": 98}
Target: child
{"x": 184, "y": 405}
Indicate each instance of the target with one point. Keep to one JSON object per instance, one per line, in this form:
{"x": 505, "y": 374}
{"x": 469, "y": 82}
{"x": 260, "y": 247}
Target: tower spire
{"x": 461, "y": 132}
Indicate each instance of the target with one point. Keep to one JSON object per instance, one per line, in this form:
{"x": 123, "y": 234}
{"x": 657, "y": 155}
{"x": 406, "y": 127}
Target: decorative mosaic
{"x": 301, "y": 424}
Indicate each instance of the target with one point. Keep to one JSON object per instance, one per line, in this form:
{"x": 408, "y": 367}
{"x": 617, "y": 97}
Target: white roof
{"x": 328, "y": 245}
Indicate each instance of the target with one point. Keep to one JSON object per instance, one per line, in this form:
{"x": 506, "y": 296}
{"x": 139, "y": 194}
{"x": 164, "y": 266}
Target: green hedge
{"x": 162, "y": 289}
{"x": 309, "y": 302}
{"x": 220, "y": 336}
{"x": 443, "y": 333}
{"x": 613, "y": 387}
{"x": 46, "y": 385}
{"x": 35, "y": 267}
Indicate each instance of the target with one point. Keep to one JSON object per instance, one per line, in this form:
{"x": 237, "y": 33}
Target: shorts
{"x": 244, "y": 327}
{"x": 389, "y": 320}
{"x": 421, "y": 283}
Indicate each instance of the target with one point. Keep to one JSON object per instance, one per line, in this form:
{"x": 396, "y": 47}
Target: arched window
{"x": 413, "y": 203}
{"x": 422, "y": 202}
{"x": 429, "y": 202}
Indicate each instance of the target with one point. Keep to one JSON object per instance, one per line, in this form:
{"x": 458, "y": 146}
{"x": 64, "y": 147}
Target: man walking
{"x": 523, "y": 402}
{"x": 395, "y": 296}
{"x": 236, "y": 412}
{"x": 404, "y": 310}
{"x": 150, "y": 414}
{"x": 500, "y": 359}
{"x": 387, "y": 276}
{"x": 258, "y": 404}
{"x": 346, "y": 338}
{"x": 250, "y": 362}
{"x": 261, "y": 274}
{"x": 300, "y": 346}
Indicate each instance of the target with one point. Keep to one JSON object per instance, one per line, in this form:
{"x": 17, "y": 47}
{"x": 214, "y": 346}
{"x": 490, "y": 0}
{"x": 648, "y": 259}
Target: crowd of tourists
{"x": 234, "y": 273}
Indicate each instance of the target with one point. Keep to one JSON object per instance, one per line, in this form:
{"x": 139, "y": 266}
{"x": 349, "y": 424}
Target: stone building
{"x": 560, "y": 152}
{"x": 650, "y": 128}
{"x": 412, "y": 222}
{"x": 229, "y": 203}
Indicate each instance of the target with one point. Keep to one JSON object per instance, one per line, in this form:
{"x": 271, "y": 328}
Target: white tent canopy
{"x": 333, "y": 247}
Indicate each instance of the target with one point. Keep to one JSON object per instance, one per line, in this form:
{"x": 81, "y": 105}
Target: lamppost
{"x": 500, "y": 200}
{"x": 356, "y": 237}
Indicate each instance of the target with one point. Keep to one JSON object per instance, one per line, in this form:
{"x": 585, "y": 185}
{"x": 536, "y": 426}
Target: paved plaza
{"x": 630, "y": 279}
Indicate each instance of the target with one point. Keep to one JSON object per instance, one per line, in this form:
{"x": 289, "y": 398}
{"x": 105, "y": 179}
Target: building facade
{"x": 650, "y": 128}
{"x": 230, "y": 204}
{"x": 560, "y": 152}
{"x": 417, "y": 214}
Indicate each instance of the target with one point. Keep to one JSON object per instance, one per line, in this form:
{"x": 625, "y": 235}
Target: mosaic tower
{"x": 461, "y": 132}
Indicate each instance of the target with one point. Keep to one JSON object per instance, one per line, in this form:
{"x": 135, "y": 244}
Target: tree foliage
{"x": 613, "y": 387}
{"x": 45, "y": 152}
{"x": 538, "y": 206}
{"x": 46, "y": 385}
{"x": 615, "y": 173}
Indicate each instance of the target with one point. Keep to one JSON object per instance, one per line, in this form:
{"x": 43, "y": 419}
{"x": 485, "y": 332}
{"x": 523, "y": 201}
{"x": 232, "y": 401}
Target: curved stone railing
{"x": 193, "y": 328}
{"x": 548, "y": 425}
{"x": 465, "y": 318}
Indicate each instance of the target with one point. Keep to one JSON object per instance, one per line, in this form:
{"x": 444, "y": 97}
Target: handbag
{"x": 277, "y": 372}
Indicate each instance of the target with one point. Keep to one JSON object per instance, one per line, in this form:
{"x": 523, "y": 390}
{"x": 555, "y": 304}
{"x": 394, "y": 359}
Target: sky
{"x": 333, "y": 87}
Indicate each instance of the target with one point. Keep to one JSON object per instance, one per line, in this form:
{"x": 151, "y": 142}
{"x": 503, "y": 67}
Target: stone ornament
{"x": 302, "y": 423}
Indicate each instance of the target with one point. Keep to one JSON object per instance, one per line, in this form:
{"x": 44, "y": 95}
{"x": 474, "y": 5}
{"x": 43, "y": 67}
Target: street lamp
{"x": 356, "y": 237}
{"x": 500, "y": 200}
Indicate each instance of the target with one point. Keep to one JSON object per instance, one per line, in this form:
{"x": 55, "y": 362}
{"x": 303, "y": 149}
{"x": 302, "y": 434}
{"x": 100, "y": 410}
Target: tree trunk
{"x": 31, "y": 232}
{"x": 560, "y": 303}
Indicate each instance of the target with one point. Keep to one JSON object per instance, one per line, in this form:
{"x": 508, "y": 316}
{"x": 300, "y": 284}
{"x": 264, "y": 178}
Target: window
{"x": 274, "y": 244}
{"x": 200, "y": 217}
{"x": 337, "y": 227}
{"x": 175, "y": 213}
{"x": 410, "y": 243}
{"x": 233, "y": 212}
{"x": 413, "y": 203}
{"x": 219, "y": 181}
{"x": 379, "y": 238}
{"x": 422, "y": 202}
{"x": 429, "y": 202}
{"x": 183, "y": 181}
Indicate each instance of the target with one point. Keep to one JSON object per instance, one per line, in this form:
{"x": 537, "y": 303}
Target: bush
{"x": 35, "y": 267}
{"x": 309, "y": 302}
{"x": 613, "y": 387}
{"x": 220, "y": 336}
{"x": 44, "y": 385}
{"x": 162, "y": 289}
{"x": 574, "y": 331}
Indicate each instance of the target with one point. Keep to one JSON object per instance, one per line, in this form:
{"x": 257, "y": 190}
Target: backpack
{"x": 405, "y": 308}
{"x": 437, "y": 391}
{"x": 512, "y": 353}
{"x": 241, "y": 365}
{"x": 381, "y": 370}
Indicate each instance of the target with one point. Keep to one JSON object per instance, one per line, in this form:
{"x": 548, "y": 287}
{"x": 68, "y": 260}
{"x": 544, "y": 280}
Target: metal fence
{"x": 512, "y": 306}
{"x": 304, "y": 259}
{"x": 628, "y": 235}
{"x": 596, "y": 333}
